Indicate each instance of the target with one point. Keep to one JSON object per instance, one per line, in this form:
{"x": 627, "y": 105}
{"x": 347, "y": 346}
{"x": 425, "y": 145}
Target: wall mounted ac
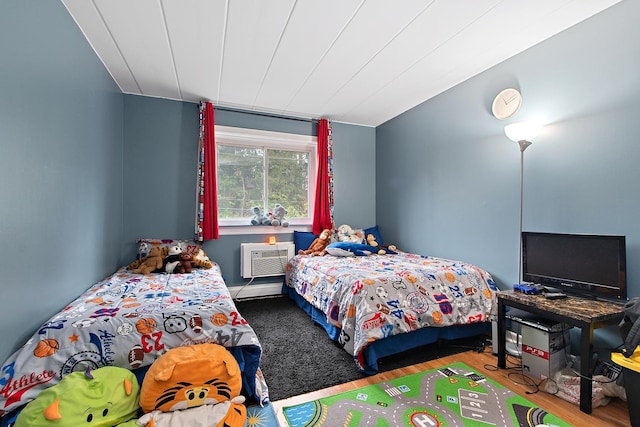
{"x": 265, "y": 260}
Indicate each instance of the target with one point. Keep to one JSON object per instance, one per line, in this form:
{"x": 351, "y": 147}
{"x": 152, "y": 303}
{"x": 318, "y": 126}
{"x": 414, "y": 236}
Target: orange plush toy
{"x": 319, "y": 245}
{"x": 194, "y": 385}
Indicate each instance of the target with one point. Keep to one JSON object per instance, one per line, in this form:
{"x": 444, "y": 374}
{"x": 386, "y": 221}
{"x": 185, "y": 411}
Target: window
{"x": 261, "y": 168}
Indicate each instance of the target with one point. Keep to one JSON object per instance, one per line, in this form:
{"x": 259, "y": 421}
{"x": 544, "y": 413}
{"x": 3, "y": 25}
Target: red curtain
{"x": 322, "y": 217}
{"x": 207, "y": 227}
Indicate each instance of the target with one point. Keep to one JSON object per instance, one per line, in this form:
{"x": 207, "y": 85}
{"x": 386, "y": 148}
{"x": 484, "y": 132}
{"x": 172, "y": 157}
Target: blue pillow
{"x": 303, "y": 239}
{"x": 350, "y": 249}
{"x": 374, "y": 230}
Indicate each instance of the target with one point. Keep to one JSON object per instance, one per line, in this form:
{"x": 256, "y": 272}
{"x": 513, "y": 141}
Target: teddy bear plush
{"x": 259, "y": 218}
{"x": 151, "y": 262}
{"x": 185, "y": 264}
{"x": 319, "y": 245}
{"x": 278, "y": 216}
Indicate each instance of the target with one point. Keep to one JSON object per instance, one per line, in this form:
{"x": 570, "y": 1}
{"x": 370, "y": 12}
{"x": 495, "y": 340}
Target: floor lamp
{"x": 522, "y": 133}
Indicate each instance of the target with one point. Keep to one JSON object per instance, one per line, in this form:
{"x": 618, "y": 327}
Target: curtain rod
{"x": 259, "y": 113}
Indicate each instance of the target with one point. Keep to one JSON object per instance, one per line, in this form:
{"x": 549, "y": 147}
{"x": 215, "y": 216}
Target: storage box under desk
{"x": 545, "y": 348}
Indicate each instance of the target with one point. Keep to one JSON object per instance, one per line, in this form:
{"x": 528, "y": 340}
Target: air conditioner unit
{"x": 264, "y": 260}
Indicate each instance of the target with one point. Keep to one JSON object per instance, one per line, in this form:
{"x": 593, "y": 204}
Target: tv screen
{"x": 584, "y": 264}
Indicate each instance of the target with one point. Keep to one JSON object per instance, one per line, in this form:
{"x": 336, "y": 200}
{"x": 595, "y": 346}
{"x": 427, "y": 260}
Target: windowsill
{"x": 230, "y": 230}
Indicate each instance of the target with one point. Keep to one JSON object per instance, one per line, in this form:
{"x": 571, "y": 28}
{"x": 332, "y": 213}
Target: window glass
{"x": 260, "y": 168}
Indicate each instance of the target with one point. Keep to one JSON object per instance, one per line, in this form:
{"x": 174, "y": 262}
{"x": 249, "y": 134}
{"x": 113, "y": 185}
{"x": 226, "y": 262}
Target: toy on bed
{"x": 194, "y": 385}
{"x": 172, "y": 260}
{"x": 186, "y": 261}
{"x": 319, "y": 245}
{"x": 348, "y": 249}
{"x": 156, "y": 258}
{"x": 104, "y": 397}
{"x": 382, "y": 249}
{"x": 347, "y": 234}
{"x": 201, "y": 260}
{"x": 150, "y": 263}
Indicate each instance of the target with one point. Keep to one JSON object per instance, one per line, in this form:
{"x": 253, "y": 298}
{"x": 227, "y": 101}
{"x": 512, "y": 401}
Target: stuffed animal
{"x": 382, "y": 249}
{"x": 347, "y": 234}
{"x": 371, "y": 241}
{"x": 151, "y": 262}
{"x": 259, "y": 218}
{"x": 186, "y": 259}
{"x": 318, "y": 246}
{"x": 172, "y": 260}
{"x": 201, "y": 260}
{"x": 143, "y": 249}
{"x": 347, "y": 249}
{"x": 278, "y": 216}
{"x": 143, "y": 257}
{"x": 194, "y": 385}
{"x": 104, "y": 397}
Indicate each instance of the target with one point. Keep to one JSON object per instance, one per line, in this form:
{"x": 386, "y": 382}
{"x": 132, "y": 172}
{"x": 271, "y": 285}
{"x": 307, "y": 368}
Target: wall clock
{"x": 506, "y": 103}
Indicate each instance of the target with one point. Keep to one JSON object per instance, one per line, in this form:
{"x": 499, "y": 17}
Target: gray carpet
{"x": 298, "y": 356}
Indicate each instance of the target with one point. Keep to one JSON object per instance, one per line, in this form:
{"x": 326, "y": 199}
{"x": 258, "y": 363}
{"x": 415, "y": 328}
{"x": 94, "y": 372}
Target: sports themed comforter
{"x": 374, "y": 297}
{"x": 129, "y": 320}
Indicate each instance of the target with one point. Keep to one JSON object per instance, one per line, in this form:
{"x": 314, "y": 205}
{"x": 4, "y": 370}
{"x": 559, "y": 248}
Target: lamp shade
{"x": 522, "y": 131}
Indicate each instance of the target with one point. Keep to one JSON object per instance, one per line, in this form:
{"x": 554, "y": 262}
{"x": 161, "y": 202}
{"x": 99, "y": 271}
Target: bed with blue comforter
{"x": 379, "y": 305}
{"x": 129, "y": 320}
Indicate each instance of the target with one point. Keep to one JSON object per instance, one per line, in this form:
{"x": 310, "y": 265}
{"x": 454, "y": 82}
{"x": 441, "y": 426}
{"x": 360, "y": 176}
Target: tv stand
{"x": 586, "y": 314}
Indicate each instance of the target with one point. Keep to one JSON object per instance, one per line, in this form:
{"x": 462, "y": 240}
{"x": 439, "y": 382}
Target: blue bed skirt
{"x": 393, "y": 344}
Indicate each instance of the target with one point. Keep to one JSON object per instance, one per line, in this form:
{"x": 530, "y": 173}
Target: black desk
{"x": 585, "y": 314}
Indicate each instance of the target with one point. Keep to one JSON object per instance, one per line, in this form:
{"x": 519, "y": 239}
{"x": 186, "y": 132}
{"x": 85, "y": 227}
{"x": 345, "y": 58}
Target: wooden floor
{"x": 614, "y": 414}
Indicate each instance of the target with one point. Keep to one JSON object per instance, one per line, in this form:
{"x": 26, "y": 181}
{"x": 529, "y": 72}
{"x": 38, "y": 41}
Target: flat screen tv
{"x": 580, "y": 264}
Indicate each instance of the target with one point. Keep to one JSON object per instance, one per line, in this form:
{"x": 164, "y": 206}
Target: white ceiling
{"x": 353, "y": 61}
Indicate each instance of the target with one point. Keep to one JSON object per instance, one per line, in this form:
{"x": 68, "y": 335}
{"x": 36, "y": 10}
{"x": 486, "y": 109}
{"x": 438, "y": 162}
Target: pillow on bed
{"x": 376, "y": 233}
{"x": 343, "y": 249}
{"x": 303, "y": 239}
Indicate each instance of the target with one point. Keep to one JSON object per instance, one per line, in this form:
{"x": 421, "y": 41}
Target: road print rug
{"x": 453, "y": 395}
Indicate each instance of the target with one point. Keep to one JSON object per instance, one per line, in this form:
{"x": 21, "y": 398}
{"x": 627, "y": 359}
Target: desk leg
{"x": 502, "y": 335}
{"x": 586, "y": 356}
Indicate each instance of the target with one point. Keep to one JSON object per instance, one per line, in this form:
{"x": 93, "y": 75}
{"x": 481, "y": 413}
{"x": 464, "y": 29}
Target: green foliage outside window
{"x": 242, "y": 183}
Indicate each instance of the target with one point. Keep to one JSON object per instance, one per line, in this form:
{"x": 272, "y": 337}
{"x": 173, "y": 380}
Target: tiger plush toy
{"x": 197, "y": 385}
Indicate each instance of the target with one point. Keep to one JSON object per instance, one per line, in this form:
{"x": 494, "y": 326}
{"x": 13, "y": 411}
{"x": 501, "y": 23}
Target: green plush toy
{"x": 106, "y": 397}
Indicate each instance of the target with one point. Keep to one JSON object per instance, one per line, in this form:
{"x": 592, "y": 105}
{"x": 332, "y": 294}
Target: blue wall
{"x": 451, "y": 186}
{"x": 61, "y": 126}
{"x": 160, "y": 159}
